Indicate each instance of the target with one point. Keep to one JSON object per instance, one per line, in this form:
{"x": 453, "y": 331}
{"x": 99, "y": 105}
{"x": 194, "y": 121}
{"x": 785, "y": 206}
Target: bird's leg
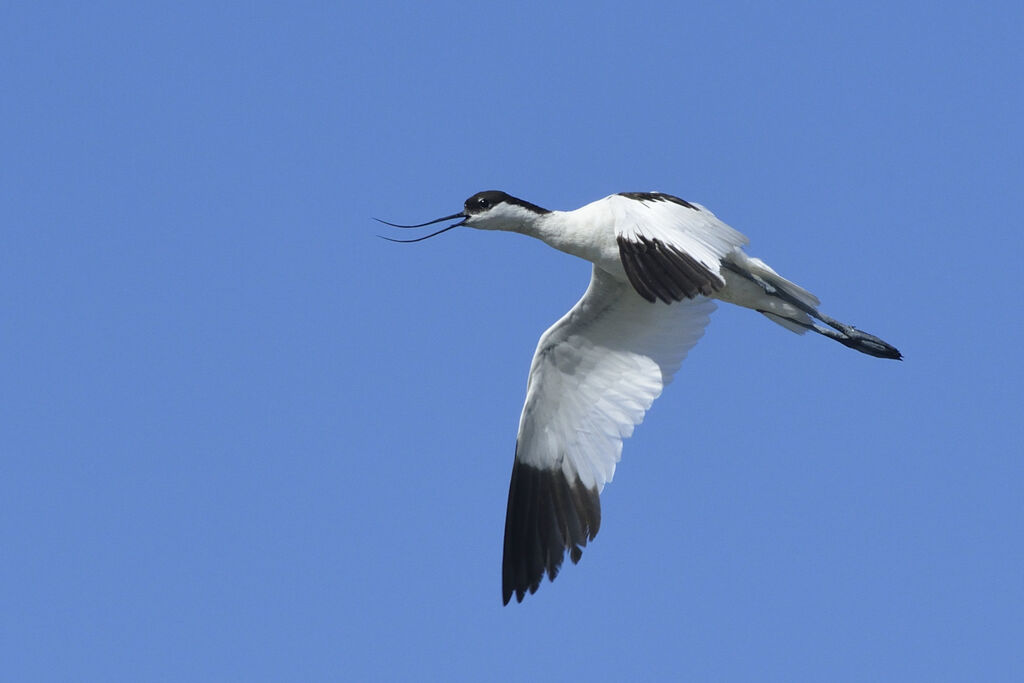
{"x": 856, "y": 339}
{"x": 847, "y": 335}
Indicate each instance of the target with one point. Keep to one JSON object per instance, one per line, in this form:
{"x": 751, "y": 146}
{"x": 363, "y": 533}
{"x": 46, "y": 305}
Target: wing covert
{"x": 671, "y": 249}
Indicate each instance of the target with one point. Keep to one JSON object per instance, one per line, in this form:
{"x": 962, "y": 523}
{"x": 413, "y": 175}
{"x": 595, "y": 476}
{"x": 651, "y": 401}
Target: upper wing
{"x": 671, "y": 249}
{"x": 594, "y": 375}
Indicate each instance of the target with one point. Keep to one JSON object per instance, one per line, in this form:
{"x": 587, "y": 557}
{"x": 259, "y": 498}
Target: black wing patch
{"x": 547, "y": 515}
{"x": 657, "y": 197}
{"x": 661, "y": 271}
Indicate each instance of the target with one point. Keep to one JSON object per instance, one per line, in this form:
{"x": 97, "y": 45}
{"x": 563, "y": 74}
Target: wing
{"x": 671, "y": 249}
{"x": 593, "y": 377}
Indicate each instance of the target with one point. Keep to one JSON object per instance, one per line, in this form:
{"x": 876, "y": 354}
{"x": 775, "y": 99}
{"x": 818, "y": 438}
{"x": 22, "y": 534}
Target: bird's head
{"x": 488, "y": 210}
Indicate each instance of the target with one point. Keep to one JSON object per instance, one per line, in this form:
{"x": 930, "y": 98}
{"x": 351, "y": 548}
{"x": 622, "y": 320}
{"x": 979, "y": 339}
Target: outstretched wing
{"x": 594, "y": 375}
{"x": 671, "y": 249}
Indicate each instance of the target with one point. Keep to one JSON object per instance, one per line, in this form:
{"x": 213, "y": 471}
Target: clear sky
{"x": 245, "y": 439}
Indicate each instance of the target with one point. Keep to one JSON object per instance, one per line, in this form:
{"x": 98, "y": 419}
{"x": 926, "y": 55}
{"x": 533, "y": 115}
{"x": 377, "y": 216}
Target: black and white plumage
{"x": 659, "y": 264}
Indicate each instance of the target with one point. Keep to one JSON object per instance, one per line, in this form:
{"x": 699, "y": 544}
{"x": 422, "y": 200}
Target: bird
{"x": 660, "y": 263}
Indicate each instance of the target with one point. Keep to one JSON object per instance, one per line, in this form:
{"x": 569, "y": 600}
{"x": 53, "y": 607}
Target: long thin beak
{"x": 420, "y": 239}
{"x": 436, "y": 220}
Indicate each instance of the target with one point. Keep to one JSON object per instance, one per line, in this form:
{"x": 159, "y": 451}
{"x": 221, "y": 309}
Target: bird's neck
{"x": 557, "y": 230}
{"x": 550, "y": 228}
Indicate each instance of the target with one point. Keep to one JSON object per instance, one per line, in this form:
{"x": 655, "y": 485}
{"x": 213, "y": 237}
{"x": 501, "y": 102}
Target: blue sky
{"x": 245, "y": 439}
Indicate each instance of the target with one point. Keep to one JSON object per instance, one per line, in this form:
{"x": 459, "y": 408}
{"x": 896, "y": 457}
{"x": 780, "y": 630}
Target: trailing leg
{"x": 753, "y": 284}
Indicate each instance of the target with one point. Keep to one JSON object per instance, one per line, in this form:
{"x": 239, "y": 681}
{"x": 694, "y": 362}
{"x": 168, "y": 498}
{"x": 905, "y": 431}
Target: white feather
{"x": 597, "y": 371}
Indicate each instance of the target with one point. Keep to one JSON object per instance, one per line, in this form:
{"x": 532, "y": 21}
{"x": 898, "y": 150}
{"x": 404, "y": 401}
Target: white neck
{"x": 564, "y": 231}
{"x": 551, "y": 228}
{"x": 586, "y": 232}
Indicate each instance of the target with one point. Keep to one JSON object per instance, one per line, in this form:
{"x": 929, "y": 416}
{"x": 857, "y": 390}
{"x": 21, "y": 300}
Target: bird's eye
{"x": 482, "y": 203}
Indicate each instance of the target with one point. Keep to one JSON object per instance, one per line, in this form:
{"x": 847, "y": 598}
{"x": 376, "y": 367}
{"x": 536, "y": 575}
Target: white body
{"x": 591, "y": 231}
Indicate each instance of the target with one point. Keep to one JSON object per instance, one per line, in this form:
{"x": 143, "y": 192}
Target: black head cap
{"x": 482, "y": 201}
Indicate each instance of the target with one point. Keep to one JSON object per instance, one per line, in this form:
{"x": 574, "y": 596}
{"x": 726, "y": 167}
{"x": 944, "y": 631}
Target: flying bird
{"x": 659, "y": 264}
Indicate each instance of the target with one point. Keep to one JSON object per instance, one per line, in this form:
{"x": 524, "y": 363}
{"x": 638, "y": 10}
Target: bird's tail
{"x": 752, "y": 283}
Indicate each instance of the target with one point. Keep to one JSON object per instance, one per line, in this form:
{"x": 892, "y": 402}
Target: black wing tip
{"x": 547, "y": 514}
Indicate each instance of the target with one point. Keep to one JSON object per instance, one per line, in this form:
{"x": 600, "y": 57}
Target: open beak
{"x": 461, "y": 215}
